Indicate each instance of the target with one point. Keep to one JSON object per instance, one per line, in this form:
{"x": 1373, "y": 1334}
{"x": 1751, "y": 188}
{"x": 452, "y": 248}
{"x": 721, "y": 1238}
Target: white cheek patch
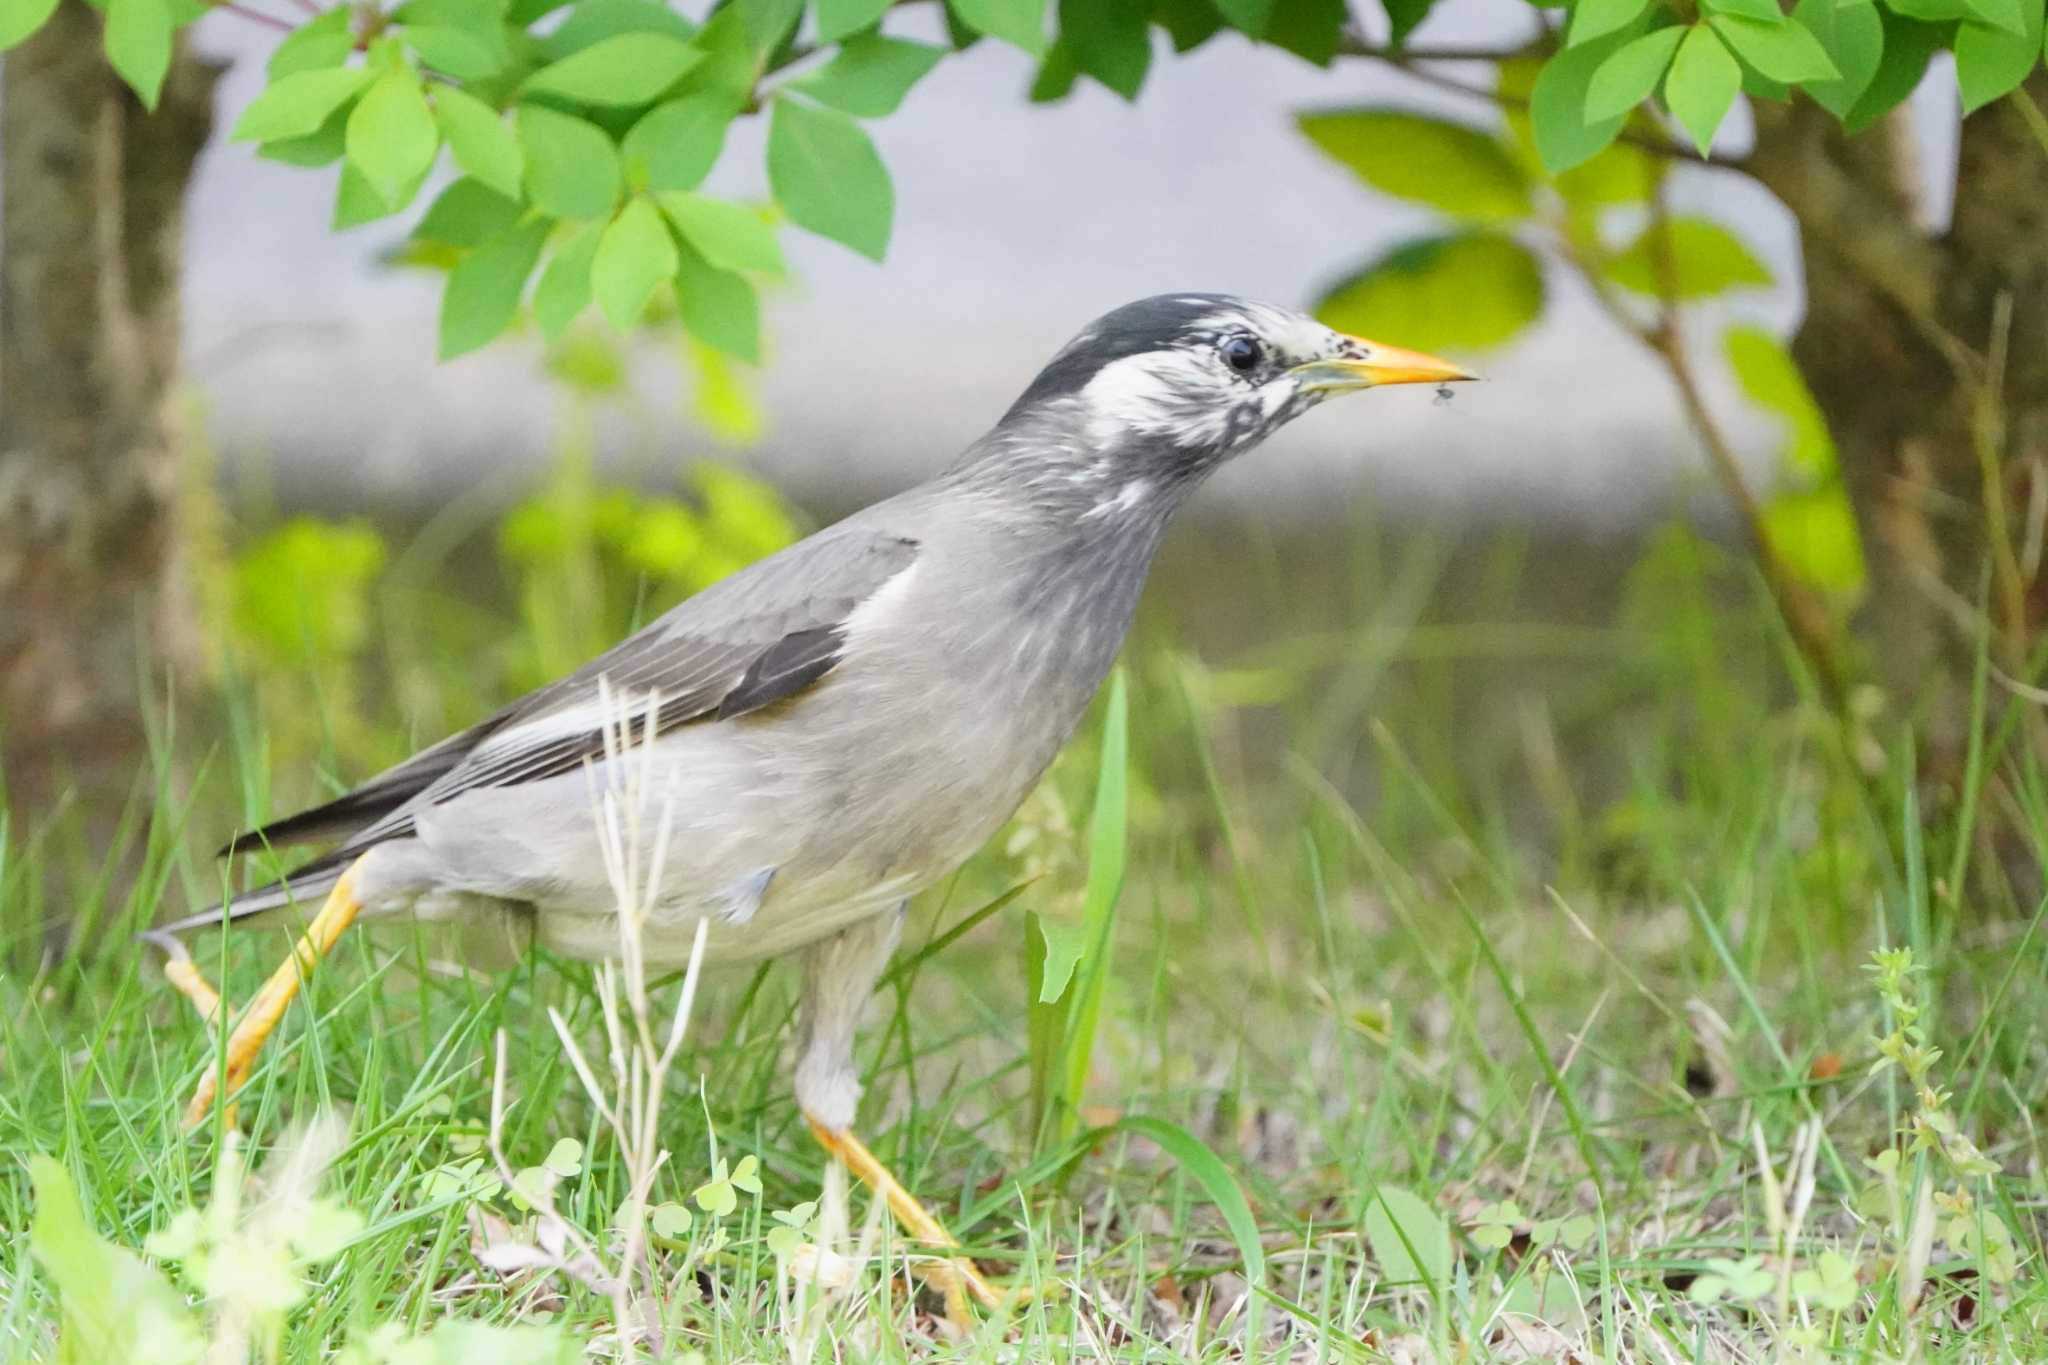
{"x": 1168, "y": 393}
{"x": 1279, "y": 395}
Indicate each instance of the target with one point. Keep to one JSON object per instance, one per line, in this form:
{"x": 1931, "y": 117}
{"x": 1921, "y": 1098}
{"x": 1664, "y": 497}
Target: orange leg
{"x": 956, "y": 1277}
{"x": 264, "y": 1012}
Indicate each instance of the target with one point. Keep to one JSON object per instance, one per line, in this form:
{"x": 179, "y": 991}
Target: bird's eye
{"x": 1242, "y": 354}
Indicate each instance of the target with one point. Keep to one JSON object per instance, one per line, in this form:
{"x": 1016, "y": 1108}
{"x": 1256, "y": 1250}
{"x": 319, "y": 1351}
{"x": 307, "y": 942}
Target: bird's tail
{"x": 305, "y": 888}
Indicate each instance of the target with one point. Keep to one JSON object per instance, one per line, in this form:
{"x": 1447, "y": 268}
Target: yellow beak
{"x": 1368, "y": 364}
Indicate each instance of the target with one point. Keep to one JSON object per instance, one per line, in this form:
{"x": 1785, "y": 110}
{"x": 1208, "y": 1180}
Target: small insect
{"x": 1443, "y": 395}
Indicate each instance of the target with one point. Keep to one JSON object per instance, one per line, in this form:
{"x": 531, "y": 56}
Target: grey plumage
{"x": 845, "y": 722}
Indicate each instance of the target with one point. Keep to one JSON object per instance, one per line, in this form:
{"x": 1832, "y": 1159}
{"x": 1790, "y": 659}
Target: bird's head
{"x": 1170, "y": 387}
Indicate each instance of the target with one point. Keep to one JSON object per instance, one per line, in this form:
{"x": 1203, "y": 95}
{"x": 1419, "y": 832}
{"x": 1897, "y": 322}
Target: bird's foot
{"x": 267, "y": 1009}
{"x": 956, "y": 1276}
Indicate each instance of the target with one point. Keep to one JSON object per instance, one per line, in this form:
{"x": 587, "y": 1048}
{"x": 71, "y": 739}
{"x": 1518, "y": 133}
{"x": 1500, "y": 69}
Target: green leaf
{"x": 729, "y": 236}
{"x": 19, "y": 19}
{"x": 564, "y": 289}
{"x": 1188, "y": 23}
{"x": 1308, "y": 28}
{"x": 632, "y": 68}
{"x": 314, "y": 45}
{"x": 718, "y": 307}
{"x": 1597, "y": 18}
{"x": 1409, "y": 1239}
{"x": 1056, "y": 75}
{"x": 768, "y": 22}
{"x": 593, "y": 21}
{"x": 1020, "y": 23}
{"x": 321, "y": 148}
{"x": 470, "y": 54}
{"x": 674, "y": 146}
{"x": 1250, "y": 17}
{"x": 1706, "y": 259}
{"x": 1852, "y": 35}
{"x": 841, "y": 18}
{"x": 1467, "y": 291}
{"x": 1404, "y": 17}
{"x": 1564, "y": 136}
{"x": 572, "y": 167}
{"x": 871, "y": 74}
{"x": 731, "y": 66}
{"x": 1448, "y": 166}
{"x": 479, "y": 140}
{"x": 392, "y": 137}
{"x": 828, "y": 178}
{"x": 1108, "y": 854}
{"x": 1064, "y": 941}
{"x": 1908, "y": 46}
{"x": 1810, "y": 524}
{"x": 357, "y": 201}
{"x": 1620, "y": 174}
{"x": 1930, "y": 11}
{"x": 1628, "y": 77}
{"x": 1208, "y": 1171}
{"x": 1765, "y": 11}
{"x": 1701, "y": 85}
{"x": 114, "y": 1305}
{"x": 1111, "y": 40}
{"x": 2016, "y": 17}
{"x": 467, "y": 213}
{"x": 299, "y": 104}
{"x": 565, "y": 1158}
{"x": 138, "y": 42}
{"x": 633, "y": 257}
{"x": 483, "y": 291}
{"x": 1781, "y": 49}
{"x": 1991, "y": 63}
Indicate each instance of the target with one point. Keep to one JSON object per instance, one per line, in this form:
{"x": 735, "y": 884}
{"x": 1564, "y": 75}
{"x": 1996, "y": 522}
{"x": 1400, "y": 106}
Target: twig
{"x": 255, "y": 16}
{"x": 1812, "y": 632}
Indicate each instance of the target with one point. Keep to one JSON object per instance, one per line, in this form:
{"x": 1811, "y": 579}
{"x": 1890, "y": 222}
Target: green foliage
{"x": 1066, "y": 957}
{"x": 1447, "y": 166}
{"x": 573, "y": 108}
{"x": 114, "y": 1304}
{"x": 633, "y": 257}
{"x": 1688, "y": 258}
{"x": 1409, "y": 1239}
{"x": 139, "y": 35}
{"x": 1458, "y": 292}
{"x": 871, "y": 75}
{"x": 1472, "y": 288}
{"x": 301, "y": 593}
{"x": 1701, "y": 85}
{"x": 827, "y": 175}
{"x": 1810, "y": 522}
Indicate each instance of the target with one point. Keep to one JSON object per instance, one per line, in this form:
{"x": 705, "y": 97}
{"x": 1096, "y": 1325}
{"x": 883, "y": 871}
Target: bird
{"x": 840, "y": 725}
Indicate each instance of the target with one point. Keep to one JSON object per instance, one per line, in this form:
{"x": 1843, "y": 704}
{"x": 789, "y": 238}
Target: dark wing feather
{"x": 760, "y": 637}
{"x": 784, "y": 669}
{"x": 374, "y": 799}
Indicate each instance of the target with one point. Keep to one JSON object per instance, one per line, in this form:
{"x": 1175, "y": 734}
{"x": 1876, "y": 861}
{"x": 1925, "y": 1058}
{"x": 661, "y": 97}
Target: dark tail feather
{"x": 343, "y": 815}
{"x": 372, "y": 801}
{"x": 305, "y": 888}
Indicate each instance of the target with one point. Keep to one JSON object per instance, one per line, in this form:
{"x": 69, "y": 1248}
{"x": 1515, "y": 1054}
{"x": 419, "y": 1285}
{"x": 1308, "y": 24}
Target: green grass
{"x": 1526, "y": 1018}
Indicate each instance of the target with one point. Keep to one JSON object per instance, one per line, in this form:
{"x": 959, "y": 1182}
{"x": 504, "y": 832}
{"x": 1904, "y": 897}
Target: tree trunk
{"x": 1899, "y": 326}
{"x": 91, "y": 598}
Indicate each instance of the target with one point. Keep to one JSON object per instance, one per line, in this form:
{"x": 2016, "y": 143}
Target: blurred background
{"x": 363, "y": 544}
